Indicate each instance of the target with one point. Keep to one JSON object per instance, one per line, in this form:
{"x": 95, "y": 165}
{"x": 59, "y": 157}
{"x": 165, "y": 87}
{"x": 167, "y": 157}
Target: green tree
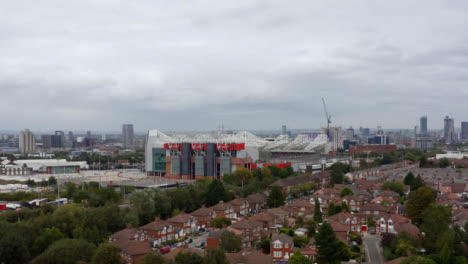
{"x": 444, "y": 163}
{"x": 363, "y": 164}
{"x": 436, "y": 222}
{"x": 417, "y": 183}
{"x": 344, "y": 207}
{"x": 310, "y": 225}
{"x": 66, "y": 251}
{"x": 422, "y": 161}
{"x": 331, "y": 209}
{"x": 298, "y": 258}
{"x": 52, "y": 180}
{"x": 216, "y": 193}
{"x": 13, "y": 248}
{"x": 188, "y": 258}
{"x": 327, "y": 244}
{"x": 337, "y": 176}
{"x": 45, "y": 239}
{"x": 154, "y": 258}
{"x": 243, "y": 174}
{"x": 266, "y": 173}
{"x": 417, "y": 260}
{"x": 107, "y": 253}
{"x": 230, "y": 242}
{"x": 276, "y": 197}
{"x": 215, "y": 256}
{"x": 409, "y": 178}
{"x": 346, "y": 191}
{"x": 418, "y": 201}
{"x": 395, "y": 186}
{"x": 220, "y": 222}
{"x": 445, "y": 254}
{"x": 317, "y": 212}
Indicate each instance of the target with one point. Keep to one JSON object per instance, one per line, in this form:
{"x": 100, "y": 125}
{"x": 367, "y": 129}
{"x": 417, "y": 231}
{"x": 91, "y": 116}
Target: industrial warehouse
{"x": 183, "y": 156}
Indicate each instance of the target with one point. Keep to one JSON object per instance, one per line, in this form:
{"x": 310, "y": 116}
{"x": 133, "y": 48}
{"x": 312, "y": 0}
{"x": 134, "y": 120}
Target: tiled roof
{"x": 263, "y": 217}
{"x": 246, "y": 224}
{"x": 249, "y": 257}
{"x": 300, "y": 203}
{"x": 156, "y": 225}
{"x": 171, "y": 255}
{"x": 221, "y": 206}
{"x": 338, "y": 227}
{"x": 181, "y": 218}
{"x": 342, "y": 217}
{"x": 410, "y": 229}
{"x": 239, "y": 202}
{"x": 133, "y": 247}
{"x": 257, "y": 198}
{"x": 283, "y": 238}
{"x": 203, "y": 211}
{"x": 124, "y": 234}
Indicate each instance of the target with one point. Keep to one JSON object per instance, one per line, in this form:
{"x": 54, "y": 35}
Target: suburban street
{"x": 373, "y": 250}
{"x": 201, "y": 238}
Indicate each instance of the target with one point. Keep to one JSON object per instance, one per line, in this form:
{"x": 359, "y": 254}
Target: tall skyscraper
{"x": 27, "y": 141}
{"x": 464, "y": 131}
{"x": 423, "y": 126}
{"x": 59, "y": 139}
{"x": 449, "y": 130}
{"x": 127, "y": 135}
{"x": 284, "y": 131}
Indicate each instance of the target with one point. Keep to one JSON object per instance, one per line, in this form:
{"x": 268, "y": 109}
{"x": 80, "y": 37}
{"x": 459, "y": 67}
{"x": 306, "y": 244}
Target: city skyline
{"x": 252, "y": 65}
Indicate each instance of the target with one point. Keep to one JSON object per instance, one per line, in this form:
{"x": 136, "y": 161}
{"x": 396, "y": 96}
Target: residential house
{"x": 250, "y": 230}
{"x": 204, "y": 216}
{"x": 223, "y": 209}
{"x": 257, "y": 201}
{"x": 352, "y": 221}
{"x": 241, "y": 206}
{"x": 186, "y": 222}
{"x": 267, "y": 220}
{"x": 310, "y": 250}
{"x": 249, "y": 257}
{"x": 341, "y": 230}
{"x": 354, "y": 202}
{"x": 133, "y": 251}
{"x": 300, "y": 208}
{"x": 282, "y": 247}
{"x": 159, "y": 231}
{"x": 374, "y": 211}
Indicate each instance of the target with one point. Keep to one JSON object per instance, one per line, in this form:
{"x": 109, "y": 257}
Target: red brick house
{"x": 249, "y": 230}
{"x": 265, "y": 218}
{"x": 188, "y": 223}
{"x": 204, "y": 216}
{"x": 223, "y": 209}
{"x": 300, "y": 208}
{"x": 241, "y": 206}
{"x": 249, "y": 257}
{"x": 354, "y": 202}
{"x": 212, "y": 241}
{"x": 352, "y": 221}
{"x": 282, "y": 247}
{"x": 341, "y": 230}
{"x": 310, "y": 250}
{"x": 133, "y": 251}
{"x": 257, "y": 201}
{"x": 374, "y": 211}
{"x": 159, "y": 231}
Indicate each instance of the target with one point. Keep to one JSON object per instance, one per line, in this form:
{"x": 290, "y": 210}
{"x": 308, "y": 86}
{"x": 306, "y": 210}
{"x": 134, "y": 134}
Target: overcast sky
{"x": 193, "y": 65}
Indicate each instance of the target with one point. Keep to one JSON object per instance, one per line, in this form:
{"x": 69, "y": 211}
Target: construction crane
{"x": 328, "y": 117}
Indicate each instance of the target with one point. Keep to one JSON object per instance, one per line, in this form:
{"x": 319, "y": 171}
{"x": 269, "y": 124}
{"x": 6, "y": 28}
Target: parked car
{"x": 200, "y": 244}
{"x": 372, "y": 230}
{"x": 165, "y": 250}
{"x": 180, "y": 244}
{"x": 189, "y": 241}
{"x": 201, "y": 230}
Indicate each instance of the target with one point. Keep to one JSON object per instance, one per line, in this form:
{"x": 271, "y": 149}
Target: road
{"x": 374, "y": 254}
{"x": 201, "y": 238}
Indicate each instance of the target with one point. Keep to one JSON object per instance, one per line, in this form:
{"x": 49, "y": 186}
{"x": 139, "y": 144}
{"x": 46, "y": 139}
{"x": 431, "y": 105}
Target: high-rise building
{"x": 59, "y": 139}
{"x": 449, "y": 130}
{"x": 349, "y": 133}
{"x": 27, "y": 141}
{"x": 423, "y": 126}
{"x": 88, "y": 134}
{"x": 284, "y": 131}
{"x": 464, "y": 131}
{"x": 127, "y": 135}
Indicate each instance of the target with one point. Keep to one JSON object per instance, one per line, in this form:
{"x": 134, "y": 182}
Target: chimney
{"x": 157, "y": 219}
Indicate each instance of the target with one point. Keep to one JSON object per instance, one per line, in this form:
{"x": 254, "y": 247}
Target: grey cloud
{"x": 254, "y": 64}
